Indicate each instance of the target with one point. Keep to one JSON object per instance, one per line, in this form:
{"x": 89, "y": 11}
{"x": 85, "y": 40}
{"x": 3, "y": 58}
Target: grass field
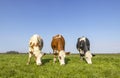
{"x": 104, "y": 66}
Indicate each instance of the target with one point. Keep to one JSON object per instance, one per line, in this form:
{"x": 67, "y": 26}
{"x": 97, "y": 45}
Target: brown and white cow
{"x": 58, "y": 46}
{"x": 35, "y": 47}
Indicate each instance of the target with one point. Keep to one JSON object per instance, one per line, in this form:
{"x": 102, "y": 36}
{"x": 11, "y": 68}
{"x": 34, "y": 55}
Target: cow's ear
{"x": 67, "y": 53}
{"x": 55, "y": 53}
{"x": 78, "y": 39}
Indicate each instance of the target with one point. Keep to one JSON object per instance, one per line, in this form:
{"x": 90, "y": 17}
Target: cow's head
{"x": 38, "y": 55}
{"x": 61, "y": 56}
{"x": 88, "y": 57}
{"x": 82, "y": 44}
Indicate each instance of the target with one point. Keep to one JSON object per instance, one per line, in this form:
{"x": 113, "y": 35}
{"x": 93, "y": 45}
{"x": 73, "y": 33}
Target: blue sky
{"x": 99, "y": 20}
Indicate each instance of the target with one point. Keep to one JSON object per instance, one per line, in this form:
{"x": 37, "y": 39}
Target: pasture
{"x": 104, "y": 66}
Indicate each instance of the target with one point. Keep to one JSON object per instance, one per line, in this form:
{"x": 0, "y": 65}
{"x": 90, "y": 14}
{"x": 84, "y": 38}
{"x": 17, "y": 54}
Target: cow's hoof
{"x": 27, "y": 63}
{"x": 62, "y": 64}
{"x": 39, "y": 64}
{"x": 89, "y": 63}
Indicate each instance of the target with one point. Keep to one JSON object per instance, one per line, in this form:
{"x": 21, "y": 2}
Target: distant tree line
{"x": 12, "y": 52}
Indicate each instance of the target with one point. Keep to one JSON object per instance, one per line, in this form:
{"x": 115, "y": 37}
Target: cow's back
{"x": 36, "y": 40}
{"x": 83, "y": 44}
{"x": 58, "y": 43}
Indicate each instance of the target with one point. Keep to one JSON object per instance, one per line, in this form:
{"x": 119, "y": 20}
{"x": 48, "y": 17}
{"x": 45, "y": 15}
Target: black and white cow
{"x": 83, "y": 46}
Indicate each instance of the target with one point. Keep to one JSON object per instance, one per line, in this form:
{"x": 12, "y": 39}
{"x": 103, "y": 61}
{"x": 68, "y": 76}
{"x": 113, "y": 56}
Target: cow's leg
{"x": 29, "y": 58}
{"x": 81, "y": 57}
{"x": 54, "y": 59}
{"x": 81, "y": 54}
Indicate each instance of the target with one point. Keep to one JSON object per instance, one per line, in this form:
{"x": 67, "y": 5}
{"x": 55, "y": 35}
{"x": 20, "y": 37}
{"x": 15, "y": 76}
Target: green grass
{"x": 104, "y": 66}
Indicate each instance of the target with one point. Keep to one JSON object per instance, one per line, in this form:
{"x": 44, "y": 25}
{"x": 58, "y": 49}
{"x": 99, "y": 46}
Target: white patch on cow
{"x": 61, "y": 57}
{"x": 30, "y": 49}
{"x": 82, "y": 38}
{"x": 36, "y": 48}
{"x": 38, "y": 55}
{"x": 35, "y": 38}
{"x": 59, "y": 36}
{"x": 88, "y": 57}
{"x": 56, "y": 51}
{"x": 81, "y": 51}
{"x": 38, "y": 60}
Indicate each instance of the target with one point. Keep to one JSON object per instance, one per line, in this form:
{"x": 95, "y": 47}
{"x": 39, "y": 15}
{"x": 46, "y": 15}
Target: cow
{"x": 83, "y": 46}
{"x": 58, "y": 46}
{"x": 35, "y": 47}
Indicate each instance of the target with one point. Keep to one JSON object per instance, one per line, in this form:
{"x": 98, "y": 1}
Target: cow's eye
{"x": 60, "y": 57}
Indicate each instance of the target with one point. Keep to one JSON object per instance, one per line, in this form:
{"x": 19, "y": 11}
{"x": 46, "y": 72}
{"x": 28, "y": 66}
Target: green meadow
{"x": 104, "y": 66}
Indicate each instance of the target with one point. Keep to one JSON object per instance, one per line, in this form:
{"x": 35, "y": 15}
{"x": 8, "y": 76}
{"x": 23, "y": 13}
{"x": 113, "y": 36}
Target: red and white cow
{"x": 58, "y": 46}
{"x": 35, "y": 47}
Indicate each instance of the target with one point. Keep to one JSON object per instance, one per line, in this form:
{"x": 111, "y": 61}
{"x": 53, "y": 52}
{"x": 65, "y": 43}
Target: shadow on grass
{"x": 67, "y": 60}
{"x": 44, "y": 61}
